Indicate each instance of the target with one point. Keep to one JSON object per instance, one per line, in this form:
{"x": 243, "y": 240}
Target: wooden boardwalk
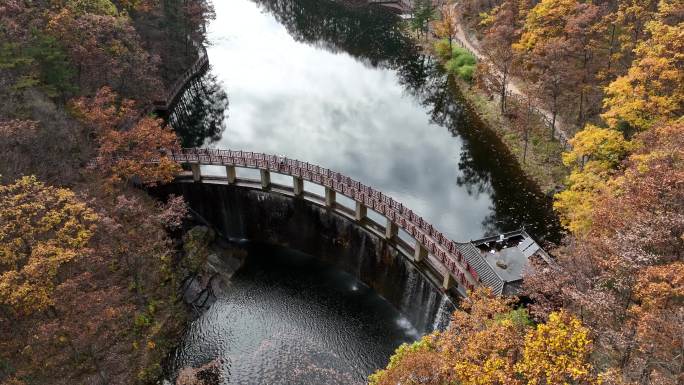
{"x": 168, "y": 100}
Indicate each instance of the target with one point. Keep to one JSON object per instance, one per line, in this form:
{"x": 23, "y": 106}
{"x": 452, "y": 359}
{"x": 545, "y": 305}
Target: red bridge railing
{"x": 197, "y": 68}
{"x": 167, "y": 100}
{"x": 454, "y": 257}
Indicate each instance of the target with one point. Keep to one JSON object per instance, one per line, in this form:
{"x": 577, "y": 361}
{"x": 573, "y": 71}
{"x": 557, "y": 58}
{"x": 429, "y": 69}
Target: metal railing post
{"x": 360, "y": 211}
{"x": 448, "y": 281}
{"x": 391, "y": 229}
{"x": 329, "y": 197}
{"x": 265, "y": 179}
{"x": 420, "y": 252}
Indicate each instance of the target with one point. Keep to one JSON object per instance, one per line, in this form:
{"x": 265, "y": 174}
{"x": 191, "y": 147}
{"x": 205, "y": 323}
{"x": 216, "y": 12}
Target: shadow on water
{"x": 369, "y": 33}
{"x": 487, "y": 167}
{"x": 199, "y": 115}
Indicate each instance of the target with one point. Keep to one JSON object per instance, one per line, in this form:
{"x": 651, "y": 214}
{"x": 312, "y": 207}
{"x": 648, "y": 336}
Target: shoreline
{"x": 541, "y": 162}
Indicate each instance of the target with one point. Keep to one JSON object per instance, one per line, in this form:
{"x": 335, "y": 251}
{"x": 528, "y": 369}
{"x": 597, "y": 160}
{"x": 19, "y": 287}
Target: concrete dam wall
{"x": 242, "y": 212}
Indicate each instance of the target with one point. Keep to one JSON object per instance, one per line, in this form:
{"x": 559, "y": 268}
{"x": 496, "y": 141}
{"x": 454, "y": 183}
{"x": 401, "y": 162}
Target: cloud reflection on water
{"x": 383, "y": 116}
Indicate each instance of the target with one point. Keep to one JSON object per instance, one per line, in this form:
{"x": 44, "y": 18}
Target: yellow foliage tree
{"x": 557, "y": 353}
{"x": 625, "y": 275}
{"x": 484, "y": 341}
{"x": 652, "y": 91}
{"x": 606, "y": 147}
{"x": 42, "y": 228}
{"x": 630, "y": 21}
{"x": 490, "y": 343}
{"x": 649, "y": 95}
{"x": 544, "y": 22}
{"x": 416, "y": 363}
{"x": 446, "y": 27}
{"x": 596, "y": 152}
{"x": 575, "y": 205}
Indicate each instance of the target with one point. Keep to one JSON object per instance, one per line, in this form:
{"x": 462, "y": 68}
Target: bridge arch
{"x": 459, "y": 265}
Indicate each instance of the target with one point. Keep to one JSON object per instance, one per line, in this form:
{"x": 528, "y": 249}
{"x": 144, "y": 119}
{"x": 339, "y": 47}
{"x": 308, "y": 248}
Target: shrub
{"x": 466, "y": 73}
{"x": 459, "y": 51}
{"x": 141, "y": 321}
{"x": 461, "y": 64}
{"x": 443, "y": 50}
{"x": 465, "y": 59}
{"x": 451, "y": 66}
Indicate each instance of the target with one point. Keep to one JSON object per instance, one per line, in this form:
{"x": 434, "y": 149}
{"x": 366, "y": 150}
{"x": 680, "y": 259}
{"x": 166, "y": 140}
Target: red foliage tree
{"x": 107, "y": 51}
{"x": 130, "y": 147}
{"x": 622, "y": 276}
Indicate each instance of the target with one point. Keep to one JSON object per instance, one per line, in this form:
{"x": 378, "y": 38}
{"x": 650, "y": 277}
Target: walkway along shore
{"x": 538, "y": 155}
{"x": 465, "y": 40}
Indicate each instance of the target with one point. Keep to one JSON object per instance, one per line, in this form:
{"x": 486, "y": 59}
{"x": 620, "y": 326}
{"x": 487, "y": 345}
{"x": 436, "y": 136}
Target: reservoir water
{"x": 340, "y": 86}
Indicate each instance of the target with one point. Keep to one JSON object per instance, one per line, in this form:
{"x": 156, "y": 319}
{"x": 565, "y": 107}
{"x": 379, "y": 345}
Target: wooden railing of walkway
{"x": 169, "y": 98}
{"x": 455, "y": 262}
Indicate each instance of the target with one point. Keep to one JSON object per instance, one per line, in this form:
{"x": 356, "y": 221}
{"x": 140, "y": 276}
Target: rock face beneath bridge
{"x": 239, "y": 212}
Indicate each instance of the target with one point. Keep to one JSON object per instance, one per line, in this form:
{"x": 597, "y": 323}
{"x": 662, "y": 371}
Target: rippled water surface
{"x": 288, "y": 319}
{"x": 343, "y": 88}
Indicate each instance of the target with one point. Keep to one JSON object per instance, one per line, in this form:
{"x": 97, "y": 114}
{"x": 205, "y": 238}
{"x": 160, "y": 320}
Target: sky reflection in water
{"x": 372, "y": 117}
{"x": 292, "y": 99}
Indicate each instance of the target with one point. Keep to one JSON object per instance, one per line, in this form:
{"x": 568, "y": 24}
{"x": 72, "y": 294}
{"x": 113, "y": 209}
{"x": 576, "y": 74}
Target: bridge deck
{"x": 168, "y": 100}
{"x": 459, "y": 263}
{"x": 456, "y": 263}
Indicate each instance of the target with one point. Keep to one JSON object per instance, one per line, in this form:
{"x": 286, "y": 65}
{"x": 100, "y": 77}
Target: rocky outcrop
{"x": 212, "y": 261}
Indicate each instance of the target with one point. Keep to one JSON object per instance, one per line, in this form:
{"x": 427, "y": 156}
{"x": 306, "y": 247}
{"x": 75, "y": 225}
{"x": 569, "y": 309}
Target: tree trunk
{"x": 504, "y": 82}
{"x": 610, "y": 48}
{"x": 554, "y": 112}
{"x": 134, "y": 272}
{"x": 96, "y": 364}
{"x": 585, "y": 78}
{"x": 527, "y": 128}
{"x": 580, "y": 115}
{"x": 526, "y": 136}
{"x": 626, "y": 355}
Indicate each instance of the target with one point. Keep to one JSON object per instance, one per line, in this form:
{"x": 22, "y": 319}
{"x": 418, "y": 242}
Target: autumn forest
{"x": 89, "y": 265}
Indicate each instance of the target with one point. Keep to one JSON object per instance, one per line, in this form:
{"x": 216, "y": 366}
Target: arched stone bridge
{"x": 460, "y": 265}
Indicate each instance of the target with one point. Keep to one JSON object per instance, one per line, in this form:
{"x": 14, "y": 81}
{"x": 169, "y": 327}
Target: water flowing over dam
{"x": 320, "y": 299}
